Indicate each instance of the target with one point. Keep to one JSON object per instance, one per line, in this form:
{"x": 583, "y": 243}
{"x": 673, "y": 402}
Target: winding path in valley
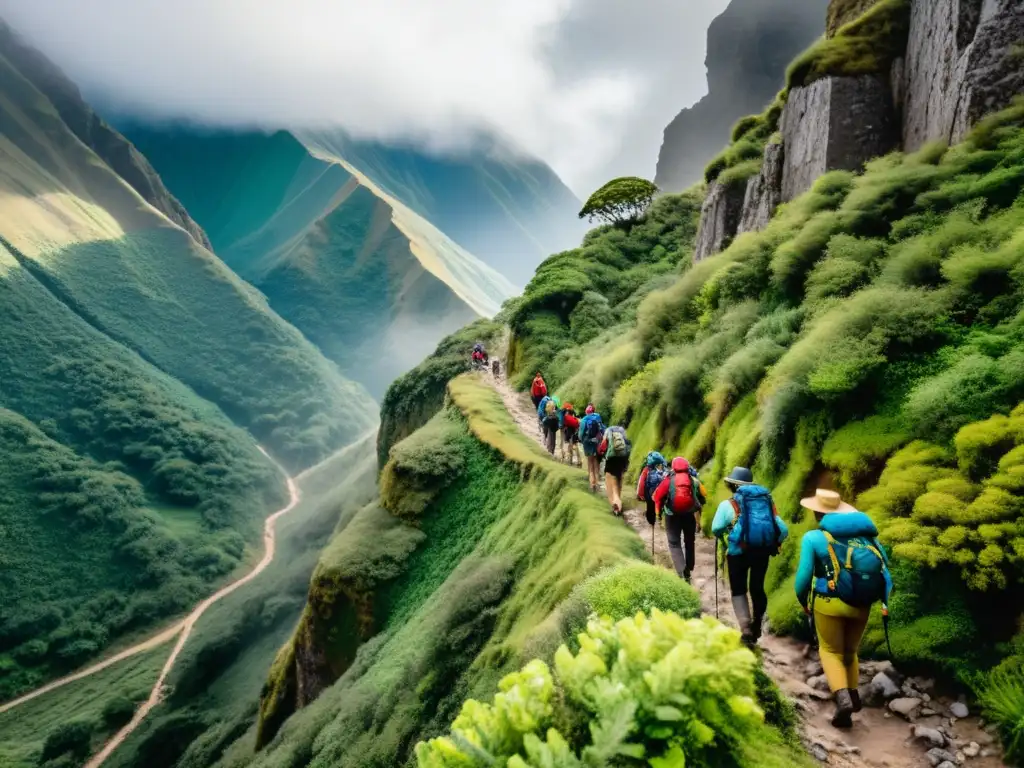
{"x": 183, "y": 629}
{"x": 877, "y": 739}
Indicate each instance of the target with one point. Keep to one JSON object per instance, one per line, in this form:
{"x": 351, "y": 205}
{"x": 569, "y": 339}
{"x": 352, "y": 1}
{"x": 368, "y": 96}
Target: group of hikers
{"x": 479, "y": 360}
{"x": 842, "y": 570}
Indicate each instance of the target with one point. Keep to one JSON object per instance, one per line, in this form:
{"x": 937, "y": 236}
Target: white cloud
{"x": 579, "y": 83}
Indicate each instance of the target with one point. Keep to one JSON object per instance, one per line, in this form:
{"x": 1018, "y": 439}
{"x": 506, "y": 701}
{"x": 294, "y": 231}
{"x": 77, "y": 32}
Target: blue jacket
{"x": 586, "y": 420}
{"x": 814, "y": 551}
{"x": 722, "y": 524}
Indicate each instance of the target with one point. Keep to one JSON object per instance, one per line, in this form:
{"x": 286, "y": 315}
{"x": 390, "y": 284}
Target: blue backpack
{"x": 593, "y": 428}
{"x": 755, "y": 526}
{"x": 655, "y": 475}
{"x": 856, "y": 570}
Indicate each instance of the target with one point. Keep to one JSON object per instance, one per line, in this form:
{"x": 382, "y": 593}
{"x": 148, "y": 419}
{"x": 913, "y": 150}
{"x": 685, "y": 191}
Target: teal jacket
{"x": 814, "y": 551}
{"x": 722, "y": 524}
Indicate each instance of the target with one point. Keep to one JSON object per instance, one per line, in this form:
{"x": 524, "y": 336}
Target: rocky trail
{"x": 906, "y": 722}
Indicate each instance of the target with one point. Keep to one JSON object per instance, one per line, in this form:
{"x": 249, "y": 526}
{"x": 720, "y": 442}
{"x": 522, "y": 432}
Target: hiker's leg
{"x": 592, "y": 471}
{"x": 852, "y": 633}
{"x": 549, "y": 438}
{"x": 612, "y": 484}
{"x": 831, "y": 647}
{"x": 689, "y": 541}
{"x": 652, "y": 512}
{"x": 758, "y": 597}
{"x": 738, "y": 569}
{"x": 674, "y": 535}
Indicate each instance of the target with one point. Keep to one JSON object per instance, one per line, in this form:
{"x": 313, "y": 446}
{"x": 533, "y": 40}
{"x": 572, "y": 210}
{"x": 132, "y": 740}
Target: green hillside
{"x": 365, "y": 278}
{"x": 138, "y": 374}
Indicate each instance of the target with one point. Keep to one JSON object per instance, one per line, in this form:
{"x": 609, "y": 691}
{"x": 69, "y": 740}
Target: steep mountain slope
{"x": 749, "y": 47}
{"x": 368, "y": 280}
{"x": 137, "y": 370}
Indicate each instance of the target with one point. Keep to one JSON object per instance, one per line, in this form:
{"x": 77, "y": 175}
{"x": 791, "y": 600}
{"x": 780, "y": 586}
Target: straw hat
{"x": 826, "y": 502}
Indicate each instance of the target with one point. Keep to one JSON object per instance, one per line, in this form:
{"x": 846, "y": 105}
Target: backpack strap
{"x": 830, "y": 543}
{"x": 736, "y": 512}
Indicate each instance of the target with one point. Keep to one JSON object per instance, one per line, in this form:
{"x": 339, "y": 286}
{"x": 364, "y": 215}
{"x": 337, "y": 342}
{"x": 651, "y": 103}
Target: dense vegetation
{"x": 876, "y": 324}
{"x": 461, "y": 572}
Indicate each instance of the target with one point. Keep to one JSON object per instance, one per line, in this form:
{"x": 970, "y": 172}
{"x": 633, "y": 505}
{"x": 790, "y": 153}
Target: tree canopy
{"x": 620, "y": 200}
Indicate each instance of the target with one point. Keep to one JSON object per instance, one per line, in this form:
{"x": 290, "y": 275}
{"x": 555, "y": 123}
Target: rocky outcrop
{"x": 842, "y": 12}
{"x": 749, "y": 47}
{"x": 963, "y": 61}
{"x": 719, "y": 219}
{"x": 113, "y": 148}
{"x": 764, "y": 191}
{"x": 836, "y": 123}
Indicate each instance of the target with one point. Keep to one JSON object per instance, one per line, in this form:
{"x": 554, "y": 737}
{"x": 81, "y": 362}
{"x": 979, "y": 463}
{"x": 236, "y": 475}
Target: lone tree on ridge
{"x": 620, "y": 200}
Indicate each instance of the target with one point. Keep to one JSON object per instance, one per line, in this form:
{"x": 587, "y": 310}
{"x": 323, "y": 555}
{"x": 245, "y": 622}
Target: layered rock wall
{"x": 719, "y": 219}
{"x": 764, "y": 191}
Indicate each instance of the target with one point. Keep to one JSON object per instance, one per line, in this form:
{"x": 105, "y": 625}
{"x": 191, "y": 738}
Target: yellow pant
{"x": 840, "y": 628}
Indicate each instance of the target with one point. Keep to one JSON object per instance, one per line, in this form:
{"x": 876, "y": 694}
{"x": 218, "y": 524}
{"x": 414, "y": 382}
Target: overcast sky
{"x": 587, "y": 85}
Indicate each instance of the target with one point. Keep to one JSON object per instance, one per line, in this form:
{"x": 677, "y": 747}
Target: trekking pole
{"x": 652, "y": 544}
{"x": 716, "y": 580}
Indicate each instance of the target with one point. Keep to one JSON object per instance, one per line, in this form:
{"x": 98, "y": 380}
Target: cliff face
{"x": 749, "y": 47}
{"x": 108, "y": 144}
{"x": 900, "y": 75}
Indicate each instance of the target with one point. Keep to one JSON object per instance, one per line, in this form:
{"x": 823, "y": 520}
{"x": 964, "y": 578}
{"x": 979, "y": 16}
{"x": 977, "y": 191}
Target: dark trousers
{"x": 536, "y": 400}
{"x": 681, "y": 532}
{"x": 550, "y": 433}
{"x": 752, "y": 565}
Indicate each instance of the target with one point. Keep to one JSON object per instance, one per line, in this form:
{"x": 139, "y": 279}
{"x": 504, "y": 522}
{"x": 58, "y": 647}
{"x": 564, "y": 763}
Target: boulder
{"x": 905, "y": 707}
{"x": 719, "y": 219}
{"x": 764, "y": 191}
{"x": 962, "y": 63}
{"x": 818, "y": 682}
{"x": 836, "y": 123}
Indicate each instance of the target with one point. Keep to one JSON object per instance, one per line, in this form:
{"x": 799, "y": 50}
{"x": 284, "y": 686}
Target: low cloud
{"x": 587, "y": 85}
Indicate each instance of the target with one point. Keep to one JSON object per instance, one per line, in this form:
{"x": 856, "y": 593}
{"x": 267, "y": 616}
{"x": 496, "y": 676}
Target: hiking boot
{"x": 686, "y": 576}
{"x": 843, "y": 718}
{"x": 755, "y": 627}
{"x": 855, "y": 699}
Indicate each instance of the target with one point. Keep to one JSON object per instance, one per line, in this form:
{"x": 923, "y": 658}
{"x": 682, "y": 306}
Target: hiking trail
{"x": 879, "y": 738}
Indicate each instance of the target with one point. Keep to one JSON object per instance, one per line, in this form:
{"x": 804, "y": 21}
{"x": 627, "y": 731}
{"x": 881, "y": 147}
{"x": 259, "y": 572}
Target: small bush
{"x": 1002, "y": 696}
{"x": 117, "y": 712}
{"x": 73, "y": 738}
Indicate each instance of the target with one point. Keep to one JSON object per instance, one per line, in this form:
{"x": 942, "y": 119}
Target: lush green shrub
{"x": 860, "y": 448}
{"x": 626, "y": 590}
{"x": 1002, "y": 696}
{"x": 691, "y": 699}
{"x": 72, "y": 738}
{"x": 620, "y": 200}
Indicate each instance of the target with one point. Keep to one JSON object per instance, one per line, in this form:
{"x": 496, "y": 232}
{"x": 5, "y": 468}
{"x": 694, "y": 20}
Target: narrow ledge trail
{"x": 878, "y": 739}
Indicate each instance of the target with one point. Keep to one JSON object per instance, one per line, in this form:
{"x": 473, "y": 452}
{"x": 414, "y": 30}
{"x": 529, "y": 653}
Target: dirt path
{"x": 879, "y": 738}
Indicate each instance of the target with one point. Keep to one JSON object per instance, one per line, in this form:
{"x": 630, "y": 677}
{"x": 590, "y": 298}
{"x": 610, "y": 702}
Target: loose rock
{"x": 937, "y": 755}
{"x": 959, "y": 709}
{"x": 818, "y": 682}
{"x": 819, "y": 752}
{"x": 870, "y": 696}
{"x": 885, "y": 685}
{"x": 905, "y": 707}
{"x": 929, "y": 736}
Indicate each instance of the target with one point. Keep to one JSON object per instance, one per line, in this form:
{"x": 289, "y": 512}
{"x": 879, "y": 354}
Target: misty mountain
{"x": 749, "y": 47}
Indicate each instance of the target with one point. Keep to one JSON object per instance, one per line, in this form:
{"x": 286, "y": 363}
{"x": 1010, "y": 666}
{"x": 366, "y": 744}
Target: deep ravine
{"x": 879, "y": 738}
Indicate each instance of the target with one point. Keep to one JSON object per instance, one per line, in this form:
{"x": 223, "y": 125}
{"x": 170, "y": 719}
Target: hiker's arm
{"x": 640, "y": 490}
{"x": 805, "y": 571}
{"x": 602, "y": 449}
{"x": 660, "y": 493}
{"x": 723, "y": 518}
{"x": 783, "y": 528}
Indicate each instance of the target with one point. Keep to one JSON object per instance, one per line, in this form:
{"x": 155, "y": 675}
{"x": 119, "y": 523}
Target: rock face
{"x": 764, "y": 191}
{"x": 111, "y": 146}
{"x": 842, "y": 12}
{"x": 963, "y": 61}
{"x": 836, "y": 123}
{"x": 719, "y": 219}
{"x": 749, "y": 47}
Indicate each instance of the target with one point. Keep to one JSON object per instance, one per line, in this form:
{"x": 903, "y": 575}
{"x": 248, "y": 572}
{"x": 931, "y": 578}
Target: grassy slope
{"x": 133, "y": 360}
{"x": 467, "y": 565}
{"x": 873, "y": 311}
{"x": 368, "y": 281}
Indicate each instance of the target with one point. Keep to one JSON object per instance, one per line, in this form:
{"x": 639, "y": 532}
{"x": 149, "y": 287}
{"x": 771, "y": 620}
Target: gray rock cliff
{"x": 764, "y": 191}
{"x": 719, "y": 219}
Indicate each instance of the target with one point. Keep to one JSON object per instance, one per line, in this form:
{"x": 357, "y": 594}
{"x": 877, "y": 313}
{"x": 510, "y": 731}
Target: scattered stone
{"x": 928, "y": 712}
{"x": 905, "y": 707}
{"x": 947, "y": 764}
{"x": 819, "y": 752}
{"x": 961, "y": 758}
{"x": 885, "y": 685}
{"x": 959, "y": 709}
{"x": 929, "y": 736}
{"x": 818, "y": 682}
{"x": 986, "y": 739}
{"x": 870, "y": 696}
{"x": 937, "y": 755}
{"x": 987, "y": 753}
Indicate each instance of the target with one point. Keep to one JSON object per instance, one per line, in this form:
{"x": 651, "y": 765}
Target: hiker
{"x": 570, "y": 425}
{"x": 614, "y": 448}
{"x": 478, "y": 358}
{"x": 538, "y": 390}
{"x": 680, "y": 498}
{"x": 591, "y": 434}
{"x": 654, "y": 471}
{"x": 547, "y": 412}
{"x": 754, "y": 532}
{"x": 844, "y": 571}
{"x": 496, "y": 368}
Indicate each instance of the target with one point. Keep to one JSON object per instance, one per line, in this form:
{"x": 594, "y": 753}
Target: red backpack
{"x": 681, "y": 498}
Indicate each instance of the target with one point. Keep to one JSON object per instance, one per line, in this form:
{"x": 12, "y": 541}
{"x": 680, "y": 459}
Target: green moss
{"x": 859, "y": 449}
{"x": 866, "y": 46}
{"x": 742, "y": 158}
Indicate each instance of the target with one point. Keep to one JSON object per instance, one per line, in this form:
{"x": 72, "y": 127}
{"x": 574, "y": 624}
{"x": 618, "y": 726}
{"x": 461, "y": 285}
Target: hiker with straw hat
{"x": 754, "y": 532}
{"x": 843, "y": 571}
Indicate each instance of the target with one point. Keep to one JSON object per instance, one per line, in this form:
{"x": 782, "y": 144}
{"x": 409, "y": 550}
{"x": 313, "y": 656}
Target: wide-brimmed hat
{"x": 740, "y": 476}
{"x": 826, "y": 503}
